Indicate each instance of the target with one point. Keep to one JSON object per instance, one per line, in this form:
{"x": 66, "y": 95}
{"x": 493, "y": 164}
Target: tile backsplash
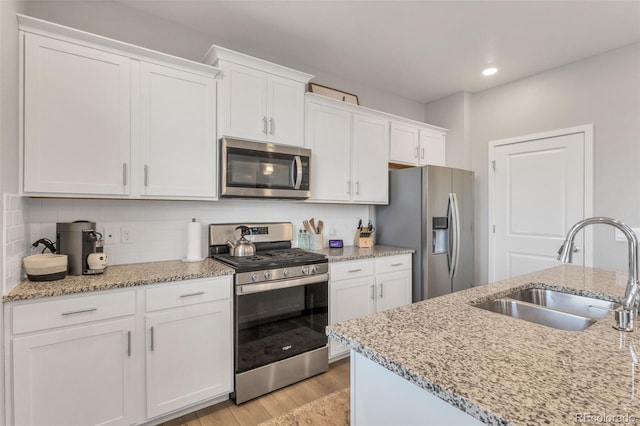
{"x": 15, "y": 238}
{"x": 157, "y": 230}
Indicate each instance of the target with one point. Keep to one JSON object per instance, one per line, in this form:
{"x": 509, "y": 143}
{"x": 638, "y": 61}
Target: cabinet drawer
{"x": 351, "y": 269}
{"x": 72, "y": 310}
{"x": 189, "y": 292}
{"x": 393, "y": 263}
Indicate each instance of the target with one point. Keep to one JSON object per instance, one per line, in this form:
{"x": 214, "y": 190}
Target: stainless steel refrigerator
{"x": 431, "y": 211}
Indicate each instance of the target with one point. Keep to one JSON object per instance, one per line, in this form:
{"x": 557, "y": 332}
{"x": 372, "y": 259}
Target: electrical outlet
{"x": 126, "y": 236}
{"x": 109, "y": 234}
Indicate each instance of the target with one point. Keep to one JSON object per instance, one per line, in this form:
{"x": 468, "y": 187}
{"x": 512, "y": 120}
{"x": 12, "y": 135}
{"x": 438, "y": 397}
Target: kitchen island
{"x": 493, "y": 368}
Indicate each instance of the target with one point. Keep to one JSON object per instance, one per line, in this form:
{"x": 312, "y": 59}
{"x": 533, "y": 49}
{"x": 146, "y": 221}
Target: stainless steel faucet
{"x": 626, "y": 316}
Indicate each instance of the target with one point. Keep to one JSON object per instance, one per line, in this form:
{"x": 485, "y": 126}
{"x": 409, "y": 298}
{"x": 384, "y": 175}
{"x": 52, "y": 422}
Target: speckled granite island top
{"x": 118, "y": 276}
{"x": 355, "y": 253}
{"x": 503, "y": 370}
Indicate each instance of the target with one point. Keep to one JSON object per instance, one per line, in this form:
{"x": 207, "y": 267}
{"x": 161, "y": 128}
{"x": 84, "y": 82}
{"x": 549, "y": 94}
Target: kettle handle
{"x": 244, "y": 230}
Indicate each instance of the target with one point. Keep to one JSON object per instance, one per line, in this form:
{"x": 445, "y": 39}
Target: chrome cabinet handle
{"x": 146, "y": 175}
{"x": 373, "y": 292}
{"x": 357, "y": 187}
{"x": 271, "y": 127}
{"x": 124, "y": 174}
{"x": 381, "y": 287}
{"x": 152, "y": 338}
{"x": 264, "y": 125}
{"x": 397, "y": 264}
{"x": 354, "y": 270}
{"x": 82, "y": 311}
{"x": 198, "y": 293}
{"x": 128, "y": 343}
{"x": 422, "y": 153}
{"x": 416, "y": 153}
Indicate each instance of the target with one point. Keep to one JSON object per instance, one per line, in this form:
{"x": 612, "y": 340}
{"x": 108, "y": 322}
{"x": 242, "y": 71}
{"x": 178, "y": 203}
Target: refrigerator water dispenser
{"x": 440, "y": 243}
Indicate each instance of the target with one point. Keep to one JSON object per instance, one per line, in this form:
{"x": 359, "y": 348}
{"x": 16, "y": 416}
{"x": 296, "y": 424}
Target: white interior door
{"x": 541, "y": 187}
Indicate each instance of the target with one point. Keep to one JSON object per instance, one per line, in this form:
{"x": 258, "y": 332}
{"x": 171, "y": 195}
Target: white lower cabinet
{"x": 362, "y": 287}
{"x": 187, "y": 361}
{"x": 77, "y": 360}
{"x": 80, "y": 375}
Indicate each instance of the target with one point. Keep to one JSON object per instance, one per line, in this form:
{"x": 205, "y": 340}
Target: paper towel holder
{"x": 194, "y": 242}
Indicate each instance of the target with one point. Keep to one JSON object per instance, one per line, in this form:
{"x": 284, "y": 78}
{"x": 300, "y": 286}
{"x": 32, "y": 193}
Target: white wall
{"x": 603, "y": 90}
{"x": 120, "y": 22}
{"x": 12, "y": 241}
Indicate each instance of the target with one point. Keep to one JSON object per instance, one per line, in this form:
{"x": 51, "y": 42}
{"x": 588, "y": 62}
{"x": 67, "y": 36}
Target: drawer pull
{"x": 152, "y": 346}
{"x": 380, "y": 290}
{"x": 397, "y": 264}
{"x": 128, "y": 343}
{"x": 197, "y": 293}
{"x": 373, "y": 292}
{"x": 80, "y": 311}
{"x": 354, "y": 270}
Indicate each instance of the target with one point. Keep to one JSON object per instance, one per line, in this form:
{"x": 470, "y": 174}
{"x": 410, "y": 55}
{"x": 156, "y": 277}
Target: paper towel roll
{"x": 194, "y": 241}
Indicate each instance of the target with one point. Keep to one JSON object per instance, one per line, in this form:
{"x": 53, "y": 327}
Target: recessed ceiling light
{"x": 489, "y": 71}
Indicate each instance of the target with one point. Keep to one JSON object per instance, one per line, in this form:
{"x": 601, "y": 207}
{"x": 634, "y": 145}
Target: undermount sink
{"x": 551, "y": 308}
{"x": 570, "y": 303}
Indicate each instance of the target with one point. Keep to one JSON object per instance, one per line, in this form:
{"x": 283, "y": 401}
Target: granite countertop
{"x": 355, "y": 253}
{"x": 118, "y": 276}
{"x": 503, "y": 370}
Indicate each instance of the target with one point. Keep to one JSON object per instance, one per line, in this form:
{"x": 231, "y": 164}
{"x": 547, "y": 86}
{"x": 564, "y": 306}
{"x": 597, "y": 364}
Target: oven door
{"x": 257, "y": 169}
{"x": 278, "y": 320}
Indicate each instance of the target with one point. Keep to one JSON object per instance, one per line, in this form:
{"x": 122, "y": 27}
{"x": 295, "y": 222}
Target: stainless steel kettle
{"x": 242, "y": 247}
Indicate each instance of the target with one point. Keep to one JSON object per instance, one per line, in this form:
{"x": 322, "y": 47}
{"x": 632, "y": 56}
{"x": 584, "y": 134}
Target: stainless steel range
{"x": 281, "y": 305}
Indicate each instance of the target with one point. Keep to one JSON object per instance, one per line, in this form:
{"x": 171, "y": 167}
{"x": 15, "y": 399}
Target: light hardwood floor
{"x": 271, "y": 405}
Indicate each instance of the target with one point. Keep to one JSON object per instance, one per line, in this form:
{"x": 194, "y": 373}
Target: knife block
{"x": 363, "y": 238}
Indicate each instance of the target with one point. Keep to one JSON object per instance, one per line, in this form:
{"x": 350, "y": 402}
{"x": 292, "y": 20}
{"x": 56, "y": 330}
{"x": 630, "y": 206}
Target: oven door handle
{"x": 259, "y": 288}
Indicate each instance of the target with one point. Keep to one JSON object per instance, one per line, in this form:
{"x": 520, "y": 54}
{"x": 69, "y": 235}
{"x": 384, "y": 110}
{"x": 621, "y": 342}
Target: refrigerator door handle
{"x": 451, "y": 247}
{"x": 456, "y": 214}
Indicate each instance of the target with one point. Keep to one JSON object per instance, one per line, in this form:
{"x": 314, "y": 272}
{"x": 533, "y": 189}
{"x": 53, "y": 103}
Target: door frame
{"x": 588, "y": 160}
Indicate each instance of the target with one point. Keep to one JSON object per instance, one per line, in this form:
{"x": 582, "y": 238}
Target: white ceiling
{"x": 420, "y": 50}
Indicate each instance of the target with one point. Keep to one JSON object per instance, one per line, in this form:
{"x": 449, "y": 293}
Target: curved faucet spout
{"x": 632, "y": 294}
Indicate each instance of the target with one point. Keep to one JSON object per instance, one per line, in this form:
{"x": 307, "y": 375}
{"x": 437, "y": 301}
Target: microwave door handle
{"x": 296, "y": 172}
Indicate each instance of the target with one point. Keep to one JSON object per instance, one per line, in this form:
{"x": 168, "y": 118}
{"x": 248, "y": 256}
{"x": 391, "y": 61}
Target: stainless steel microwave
{"x": 251, "y": 169}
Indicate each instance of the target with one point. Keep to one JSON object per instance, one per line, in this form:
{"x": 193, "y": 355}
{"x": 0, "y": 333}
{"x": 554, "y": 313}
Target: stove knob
{"x": 285, "y": 272}
{"x": 305, "y": 270}
{"x": 254, "y": 277}
{"x": 267, "y": 275}
{"x": 315, "y": 269}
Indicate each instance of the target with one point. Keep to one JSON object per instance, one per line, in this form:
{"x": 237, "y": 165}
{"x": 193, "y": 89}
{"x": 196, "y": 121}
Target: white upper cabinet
{"x": 107, "y": 119}
{"x": 259, "y": 100}
{"x": 177, "y": 132}
{"x": 329, "y": 138}
{"x": 405, "y": 144}
{"x": 349, "y": 152}
{"x": 76, "y": 118}
{"x": 370, "y": 159}
{"x": 414, "y": 144}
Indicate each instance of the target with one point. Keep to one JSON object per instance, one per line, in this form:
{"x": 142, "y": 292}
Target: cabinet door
{"x": 350, "y": 299}
{"x": 370, "y": 160}
{"x": 80, "y": 375}
{"x": 177, "y": 132}
{"x": 329, "y": 137}
{"x": 243, "y": 102}
{"x": 432, "y": 148}
{"x": 76, "y": 119}
{"x": 404, "y": 144}
{"x": 393, "y": 290}
{"x": 188, "y": 356}
{"x": 285, "y": 111}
